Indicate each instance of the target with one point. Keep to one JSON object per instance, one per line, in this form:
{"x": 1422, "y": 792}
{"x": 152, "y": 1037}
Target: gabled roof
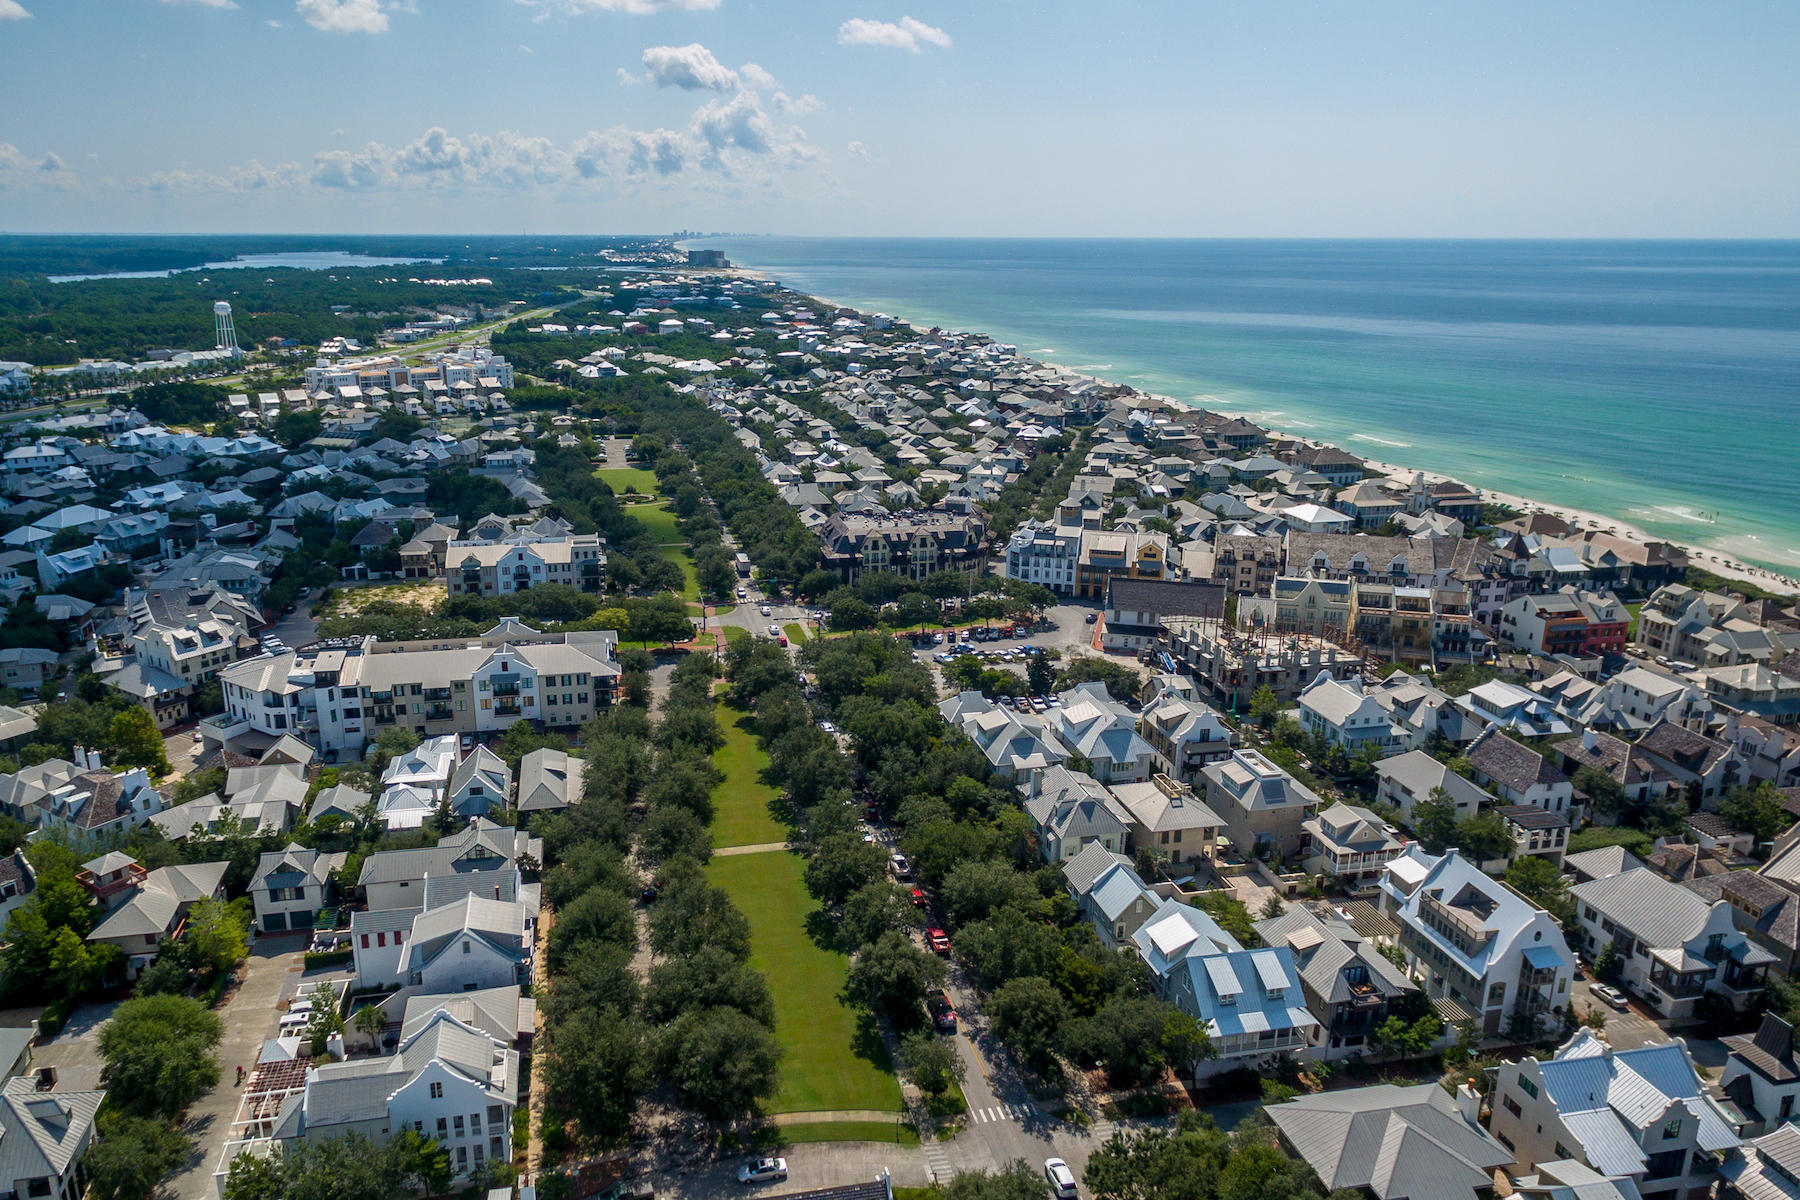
{"x": 1395, "y": 1141}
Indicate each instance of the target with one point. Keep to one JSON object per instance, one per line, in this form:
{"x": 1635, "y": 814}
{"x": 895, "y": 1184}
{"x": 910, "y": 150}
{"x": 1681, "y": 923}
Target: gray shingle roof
{"x": 1395, "y": 1141}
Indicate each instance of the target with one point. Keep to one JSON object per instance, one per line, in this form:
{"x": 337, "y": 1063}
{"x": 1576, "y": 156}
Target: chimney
{"x": 1590, "y": 741}
{"x": 1468, "y": 1102}
{"x": 80, "y": 757}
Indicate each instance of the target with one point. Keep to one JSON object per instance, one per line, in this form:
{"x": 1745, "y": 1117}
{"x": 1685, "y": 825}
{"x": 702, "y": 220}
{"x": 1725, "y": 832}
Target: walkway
{"x": 763, "y": 848}
{"x": 270, "y": 974}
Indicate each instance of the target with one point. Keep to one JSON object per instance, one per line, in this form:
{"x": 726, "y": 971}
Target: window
{"x": 459, "y": 1124}
{"x": 437, "y": 1093}
{"x": 1511, "y": 1105}
{"x": 1530, "y": 1089}
{"x": 443, "y": 1128}
{"x": 365, "y": 941}
{"x": 495, "y": 1114}
{"x": 381, "y": 939}
{"x": 1672, "y": 1129}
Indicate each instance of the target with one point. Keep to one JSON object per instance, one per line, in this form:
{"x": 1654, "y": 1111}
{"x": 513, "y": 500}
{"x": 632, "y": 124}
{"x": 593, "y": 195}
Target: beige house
{"x": 1262, "y": 807}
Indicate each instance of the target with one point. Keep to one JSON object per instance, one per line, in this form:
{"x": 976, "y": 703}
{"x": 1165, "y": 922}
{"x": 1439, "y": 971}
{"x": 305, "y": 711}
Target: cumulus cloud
{"x": 251, "y": 177}
{"x": 691, "y": 68}
{"x": 12, "y": 10}
{"x": 757, "y": 79}
{"x": 905, "y": 34}
{"x": 19, "y": 169}
{"x": 343, "y": 16}
{"x": 202, "y": 3}
{"x": 857, "y": 148}
{"x": 796, "y": 106}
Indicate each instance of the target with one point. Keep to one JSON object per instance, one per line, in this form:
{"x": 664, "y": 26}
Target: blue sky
{"x": 901, "y": 117}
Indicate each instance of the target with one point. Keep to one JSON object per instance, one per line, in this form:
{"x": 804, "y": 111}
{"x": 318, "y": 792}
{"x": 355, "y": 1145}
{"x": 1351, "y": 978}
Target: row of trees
{"x": 703, "y": 1021}
{"x": 1054, "y": 991}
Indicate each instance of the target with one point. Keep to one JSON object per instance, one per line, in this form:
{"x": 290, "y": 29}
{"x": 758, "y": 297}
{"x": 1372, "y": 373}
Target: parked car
{"x": 827, "y": 727}
{"x": 1062, "y": 1180}
{"x": 902, "y": 868}
{"x": 763, "y": 1170}
{"x": 1090, "y": 618}
{"x": 919, "y": 898}
{"x": 774, "y": 631}
{"x": 628, "y": 1189}
{"x": 1612, "y": 997}
{"x": 943, "y": 1015}
{"x": 938, "y": 940}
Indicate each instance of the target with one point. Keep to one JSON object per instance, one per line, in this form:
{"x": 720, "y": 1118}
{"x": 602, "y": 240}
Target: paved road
{"x": 270, "y": 975}
{"x": 1625, "y": 1030}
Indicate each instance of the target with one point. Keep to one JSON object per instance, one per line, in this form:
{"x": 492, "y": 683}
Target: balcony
{"x": 506, "y": 708}
{"x": 439, "y": 712}
{"x": 509, "y": 687}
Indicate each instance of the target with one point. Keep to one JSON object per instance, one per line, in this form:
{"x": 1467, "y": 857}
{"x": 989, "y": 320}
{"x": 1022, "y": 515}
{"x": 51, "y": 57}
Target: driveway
{"x": 75, "y": 1052}
{"x": 270, "y": 975}
{"x": 1624, "y": 1030}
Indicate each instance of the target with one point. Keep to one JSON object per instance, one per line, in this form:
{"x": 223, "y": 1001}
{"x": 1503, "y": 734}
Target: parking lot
{"x": 1625, "y": 1030}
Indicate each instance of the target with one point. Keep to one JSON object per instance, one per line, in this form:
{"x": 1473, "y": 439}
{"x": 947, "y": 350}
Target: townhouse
{"x": 1044, "y": 553}
{"x": 1165, "y": 818}
{"x": 1570, "y": 621}
{"x": 1475, "y": 941}
{"x": 1185, "y": 731}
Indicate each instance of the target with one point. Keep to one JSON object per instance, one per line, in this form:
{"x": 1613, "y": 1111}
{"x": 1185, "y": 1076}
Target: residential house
{"x": 1705, "y": 767}
{"x": 25, "y": 668}
{"x": 1091, "y": 724}
{"x": 290, "y": 887}
{"x": 1349, "y": 846}
{"x": 1350, "y": 986}
{"x": 1645, "y": 1114}
{"x": 1761, "y": 1075}
{"x": 1536, "y": 833}
{"x": 1517, "y": 774}
{"x": 1406, "y": 779}
{"x": 1632, "y": 769}
{"x": 1767, "y": 1168}
{"x": 1250, "y": 1001}
{"x": 448, "y": 1080}
{"x": 1070, "y": 811}
{"x": 1262, "y": 807}
{"x": 1570, "y": 621}
{"x": 43, "y": 1135}
{"x": 156, "y": 910}
{"x": 1167, "y": 819}
{"x": 1186, "y": 733}
{"x": 1672, "y": 946}
{"x": 1393, "y": 1142}
{"x": 481, "y": 784}
{"x": 1343, "y": 714}
{"x": 549, "y": 781}
{"x": 1473, "y": 940}
{"x": 1109, "y": 894}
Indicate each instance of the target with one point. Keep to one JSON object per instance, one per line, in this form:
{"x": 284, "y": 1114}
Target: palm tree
{"x": 369, "y": 1022}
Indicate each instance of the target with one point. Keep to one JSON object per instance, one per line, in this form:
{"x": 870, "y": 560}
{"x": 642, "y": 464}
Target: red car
{"x": 938, "y": 940}
{"x": 918, "y": 897}
{"x": 942, "y": 1015}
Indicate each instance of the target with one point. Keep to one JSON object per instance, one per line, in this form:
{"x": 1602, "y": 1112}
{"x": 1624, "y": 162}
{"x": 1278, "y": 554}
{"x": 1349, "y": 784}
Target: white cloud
{"x": 796, "y": 106}
{"x": 343, "y": 16}
{"x": 857, "y": 148}
{"x": 757, "y": 79}
{"x": 640, "y": 8}
{"x": 906, "y": 34}
{"x": 627, "y": 79}
{"x": 691, "y": 68}
{"x": 18, "y": 169}
{"x": 202, "y": 3}
{"x": 12, "y": 10}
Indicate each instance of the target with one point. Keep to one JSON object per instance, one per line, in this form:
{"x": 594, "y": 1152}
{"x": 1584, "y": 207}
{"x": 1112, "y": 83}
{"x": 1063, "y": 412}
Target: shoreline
{"x": 1705, "y": 559}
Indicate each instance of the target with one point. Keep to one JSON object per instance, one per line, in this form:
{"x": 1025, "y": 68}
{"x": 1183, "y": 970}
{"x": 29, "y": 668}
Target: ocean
{"x": 1654, "y": 382}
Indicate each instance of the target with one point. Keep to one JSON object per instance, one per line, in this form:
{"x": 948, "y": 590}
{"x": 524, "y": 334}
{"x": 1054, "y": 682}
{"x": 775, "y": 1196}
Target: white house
{"x": 288, "y": 888}
{"x": 1476, "y": 941}
{"x": 1645, "y": 1114}
{"x": 1342, "y": 713}
{"x": 1672, "y": 946}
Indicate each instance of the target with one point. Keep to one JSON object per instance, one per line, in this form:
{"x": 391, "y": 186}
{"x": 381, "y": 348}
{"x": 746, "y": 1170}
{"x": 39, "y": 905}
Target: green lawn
{"x": 796, "y": 633}
{"x": 735, "y": 633}
{"x": 847, "y": 1131}
{"x": 741, "y": 804}
{"x": 661, "y": 524}
{"x": 629, "y": 479}
{"x": 832, "y": 1057}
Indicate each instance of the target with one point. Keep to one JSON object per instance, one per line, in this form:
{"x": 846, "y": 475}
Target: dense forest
{"x": 82, "y": 254}
{"x": 54, "y": 323}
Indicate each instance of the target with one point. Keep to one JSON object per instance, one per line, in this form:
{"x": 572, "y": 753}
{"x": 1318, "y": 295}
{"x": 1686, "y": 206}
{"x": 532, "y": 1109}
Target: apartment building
{"x": 1572, "y": 622}
{"x": 1107, "y": 555}
{"x": 913, "y": 544}
{"x": 1044, "y": 553}
{"x": 522, "y": 562}
{"x": 339, "y": 696}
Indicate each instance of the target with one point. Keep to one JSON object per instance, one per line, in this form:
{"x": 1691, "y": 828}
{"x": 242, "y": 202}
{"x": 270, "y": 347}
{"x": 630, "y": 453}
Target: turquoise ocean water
{"x": 1657, "y": 382}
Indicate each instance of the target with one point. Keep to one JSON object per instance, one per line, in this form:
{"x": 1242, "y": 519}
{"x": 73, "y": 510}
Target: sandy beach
{"x": 1709, "y": 560}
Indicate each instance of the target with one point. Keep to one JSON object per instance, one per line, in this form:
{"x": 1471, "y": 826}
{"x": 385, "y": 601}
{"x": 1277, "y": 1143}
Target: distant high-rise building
{"x": 226, "y": 332}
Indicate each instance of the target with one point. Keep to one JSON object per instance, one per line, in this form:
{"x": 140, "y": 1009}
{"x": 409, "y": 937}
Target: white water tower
{"x": 223, "y": 328}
